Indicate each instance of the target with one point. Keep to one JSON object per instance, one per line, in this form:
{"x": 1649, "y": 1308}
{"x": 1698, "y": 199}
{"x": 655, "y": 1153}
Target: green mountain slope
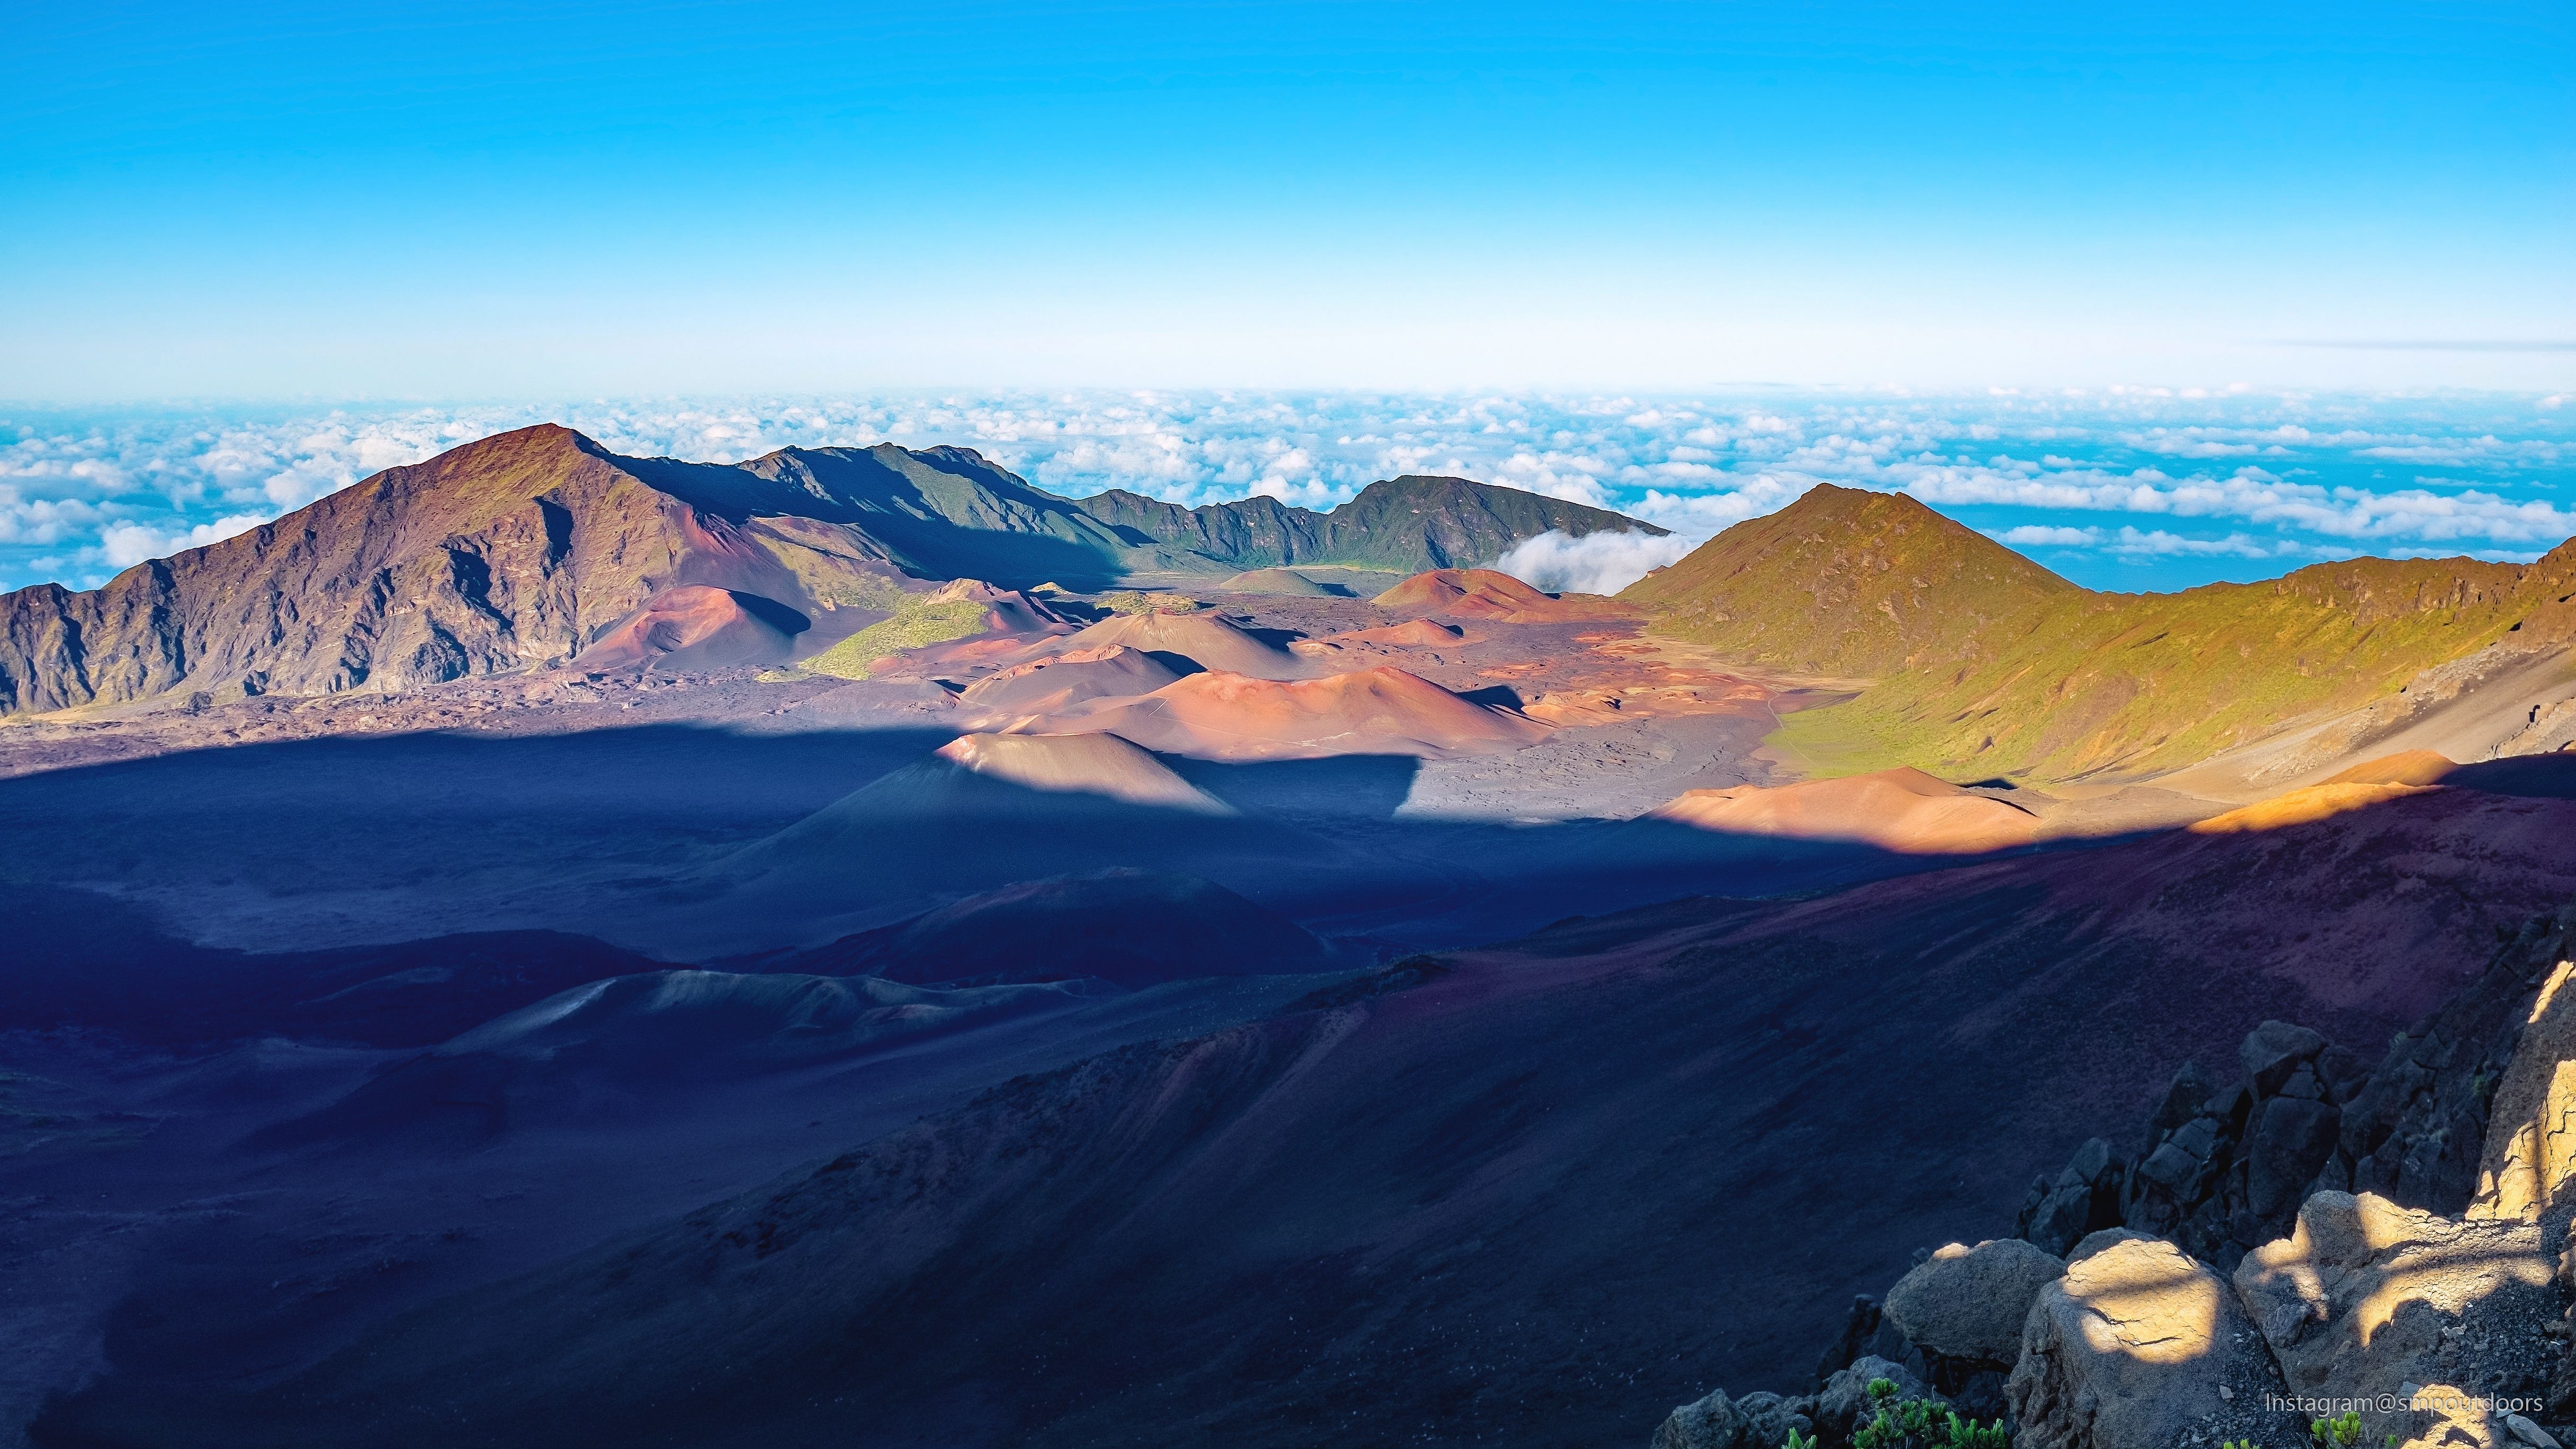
{"x": 1852, "y": 583}
{"x": 1985, "y": 663}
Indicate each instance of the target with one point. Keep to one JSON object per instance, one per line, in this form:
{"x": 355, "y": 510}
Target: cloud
{"x": 2297, "y": 476}
{"x": 2156, "y": 543}
{"x": 1595, "y": 563}
{"x": 124, "y": 545}
{"x": 2043, "y": 535}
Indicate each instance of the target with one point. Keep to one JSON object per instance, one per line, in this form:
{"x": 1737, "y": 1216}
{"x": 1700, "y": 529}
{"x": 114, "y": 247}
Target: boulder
{"x": 2096, "y": 1242}
{"x": 2273, "y": 1052}
{"x": 1967, "y": 1304}
{"x": 1846, "y": 1403}
{"x": 2138, "y": 1346}
{"x": 2365, "y": 1295}
{"x": 1756, "y": 1421}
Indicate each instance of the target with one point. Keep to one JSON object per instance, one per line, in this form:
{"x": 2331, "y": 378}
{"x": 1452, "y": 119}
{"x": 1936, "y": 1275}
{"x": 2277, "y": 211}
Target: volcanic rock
{"x": 1756, "y": 1421}
{"x": 1846, "y": 1404}
{"x": 2140, "y": 1347}
{"x": 1968, "y": 1303}
{"x": 2366, "y": 1295}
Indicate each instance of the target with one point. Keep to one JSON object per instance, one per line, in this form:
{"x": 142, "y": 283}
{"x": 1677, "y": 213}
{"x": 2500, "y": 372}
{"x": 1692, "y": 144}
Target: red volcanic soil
{"x": 1486, "y": 594}
{"x": 1902, "y": 810}
{"x": 1531, "y": 1195}
{"x": 1381, "y": 711}
{"x": 1203, "y": 639}
{"x": 1007, "y": 611}
{"x": 692, "y": 627}
{"x": 1061, "y": 681}
{"x": 1412, "y": 634}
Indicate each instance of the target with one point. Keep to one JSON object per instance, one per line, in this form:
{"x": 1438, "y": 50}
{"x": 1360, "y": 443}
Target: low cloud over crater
{"x": 1596, "y": 563}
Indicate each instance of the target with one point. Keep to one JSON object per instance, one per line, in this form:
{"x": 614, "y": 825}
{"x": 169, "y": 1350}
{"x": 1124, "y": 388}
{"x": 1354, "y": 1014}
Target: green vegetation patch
{"x": 2130, "y": 684}
{"x": 1927, "y": 1423}
{"x": 911, "y": 626}
{"x": 1132, "y": 601}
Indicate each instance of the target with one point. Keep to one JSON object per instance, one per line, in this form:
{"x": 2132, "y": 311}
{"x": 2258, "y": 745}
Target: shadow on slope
{"x": 1520, "y": 1195}
{"x": 78, "y": 958}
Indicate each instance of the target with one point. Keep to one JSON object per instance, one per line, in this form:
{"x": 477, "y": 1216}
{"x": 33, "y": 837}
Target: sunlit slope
{"x": 1986, "y": 663}
{"x": 1850, "y": 582}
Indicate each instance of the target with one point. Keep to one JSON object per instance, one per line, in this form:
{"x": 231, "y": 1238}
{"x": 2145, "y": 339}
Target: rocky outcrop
{"x": 2233, "y": 1170}
{"x": 2529, "y": 1154}
{"x": 1968, "y": 1304}
{"x": 2224, "y": 1169}
{"x": 2458, "y": 1316}
{"x": 2366, "y": 1296}
{"x": 2084, "y": 1197}
{"x": 2417, "y": 1132}
{"x": 1756, "y": 1421}
{"x": 2138, "y": 1346}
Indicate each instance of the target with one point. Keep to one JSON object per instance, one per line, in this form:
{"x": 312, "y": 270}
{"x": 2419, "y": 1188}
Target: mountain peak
{"x": 1848, "y": 581}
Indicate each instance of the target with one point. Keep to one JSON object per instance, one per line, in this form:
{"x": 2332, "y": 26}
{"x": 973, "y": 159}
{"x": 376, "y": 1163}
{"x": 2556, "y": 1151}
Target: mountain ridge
{"x": 1368, "y": 530}
{"x": 523, "y": 548}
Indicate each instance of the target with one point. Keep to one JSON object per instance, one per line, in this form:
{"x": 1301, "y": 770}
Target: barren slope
{"x": 1525, "y": 1195}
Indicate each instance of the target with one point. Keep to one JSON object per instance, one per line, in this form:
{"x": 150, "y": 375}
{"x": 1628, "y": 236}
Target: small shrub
{"x": 1925, "y": 1424}
{"x": 2343, "y": 1430}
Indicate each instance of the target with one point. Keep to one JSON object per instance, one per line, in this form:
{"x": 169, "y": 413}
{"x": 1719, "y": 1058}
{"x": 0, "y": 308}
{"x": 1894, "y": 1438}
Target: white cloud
{"x": 2156, "y": 543}
{"x": 124, "y": 545}
{"x": 2293, "y": 476}
{"x": 2043, "y": 535}
{"x": 1595, "y": 563}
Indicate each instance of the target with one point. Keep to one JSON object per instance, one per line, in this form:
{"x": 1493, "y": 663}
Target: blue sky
{"x": 2162, "y": 293}
{"x": 297, "y": 201}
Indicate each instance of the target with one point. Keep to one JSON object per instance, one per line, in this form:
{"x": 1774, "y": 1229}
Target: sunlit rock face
{"x": 2530, "y": 1151}
{"x": 2140, "y": 1345}
{"x": 2366, "y": 1297}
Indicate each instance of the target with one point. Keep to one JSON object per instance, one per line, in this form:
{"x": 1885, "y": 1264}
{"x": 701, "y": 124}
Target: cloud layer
{"x": 1596, "y": 563}
{"x": 2124, "y": 489}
